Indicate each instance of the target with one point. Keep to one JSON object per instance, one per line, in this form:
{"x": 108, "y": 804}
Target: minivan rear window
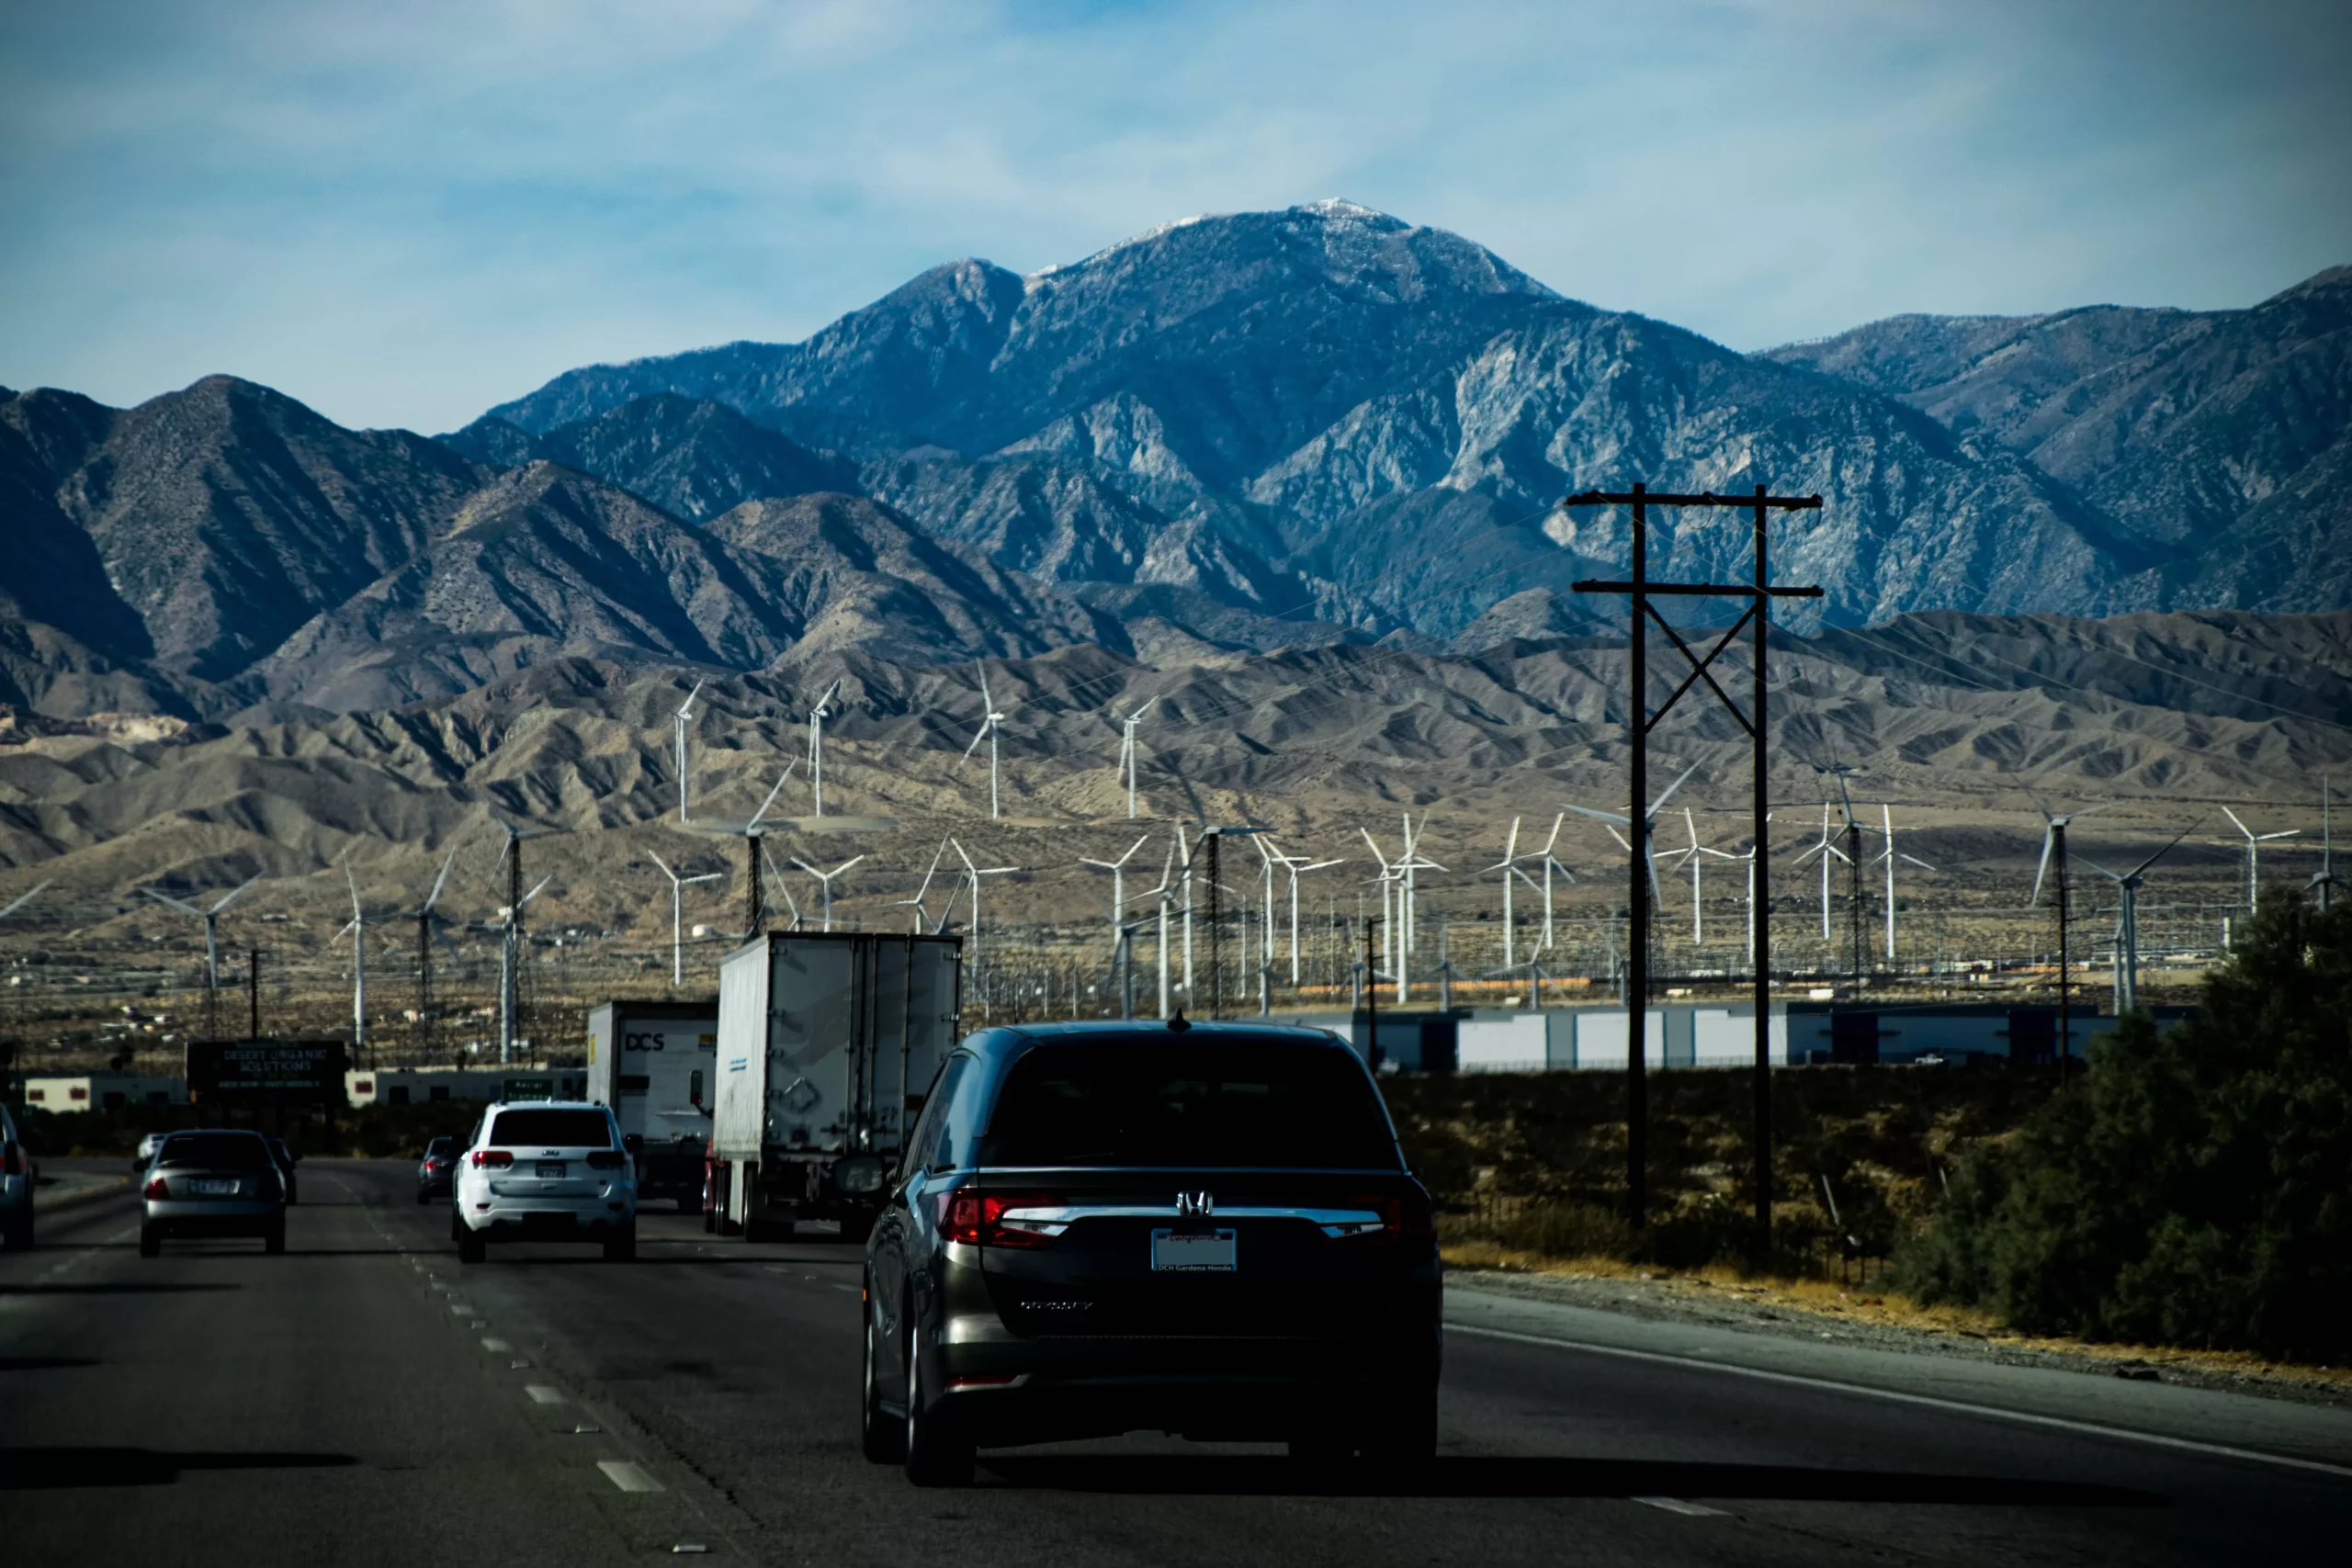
{"x": 215, "y": 1151}
{"x": 552, "y": 1129}
{"x": 1259, "y": 1104}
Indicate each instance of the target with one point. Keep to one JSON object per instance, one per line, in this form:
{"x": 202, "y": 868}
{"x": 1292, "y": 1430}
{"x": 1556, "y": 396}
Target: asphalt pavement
{"x": 363, "y": 1400}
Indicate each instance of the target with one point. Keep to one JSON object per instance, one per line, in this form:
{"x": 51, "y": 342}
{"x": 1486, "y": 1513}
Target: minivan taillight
{"x": 608, "y": 1159}
{"x": 495, "y": 1157}
{"x": 1409, "y": 1218}
{"x": 156, "y": 1189}
{"x": 978, "y": 1219}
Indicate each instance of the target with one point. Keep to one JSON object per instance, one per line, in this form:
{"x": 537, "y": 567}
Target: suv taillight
{"x": 156, "y": 1189}
{"x": 608, "y": 1159}
{"x": 498, "y": 1157}
{"x": 978, "y": 1219}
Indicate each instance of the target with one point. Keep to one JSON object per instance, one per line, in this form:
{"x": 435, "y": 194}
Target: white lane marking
{"x": 838, "y": 1286}
{"x": 461, "y": 1309}
{"x": 1677, "y": 1506}
{"x": 496, "y": 1346}
{"x": 544, "y": 1393}
{"x": 1796, "y": 1379}
{"x": 627, "y": 1476}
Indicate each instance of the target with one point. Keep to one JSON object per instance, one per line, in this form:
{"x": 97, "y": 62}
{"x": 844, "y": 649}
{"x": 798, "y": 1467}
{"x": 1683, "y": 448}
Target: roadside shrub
{"x": 2196, "y": 1189}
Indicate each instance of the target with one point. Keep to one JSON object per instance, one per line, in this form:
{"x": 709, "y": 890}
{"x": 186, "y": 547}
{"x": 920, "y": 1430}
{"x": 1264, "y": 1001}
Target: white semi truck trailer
{"x": 652, "y": 1063}
{"x": 827, "y": 1044}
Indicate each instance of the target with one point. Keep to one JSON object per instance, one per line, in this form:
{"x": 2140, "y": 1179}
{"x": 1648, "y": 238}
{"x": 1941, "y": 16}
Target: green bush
{"x": 2196, "y": 1187}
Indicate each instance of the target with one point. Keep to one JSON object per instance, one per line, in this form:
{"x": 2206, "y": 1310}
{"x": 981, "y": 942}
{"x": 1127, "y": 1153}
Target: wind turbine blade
{"x": 1375, "y": 848}
{"x": 22, "y": 899}
{"x": 847, "y": 863}
{"x": 2165, "y": 851}
{"x": 989, "y": 701}
{"x": 665, "y": 864}
{"x": 441, "y": 881}
{"x": 1622, "y": 842}
{"x": 982, "y": 734}
{"x": 537, "y": 891}
{"x": 2049, "y": 836}
{"x": 174, "y": 903}
{"x": 763, "y": 811}
{"x": 686, "y": 708}
{"x": 354, "y": 886}
{"x": 964, "y": 858}
{"x": 232, "y": 895}
{"x": 1600, "y": 815}
{"x": 705, "y": 877}
{"x": 1914, "y": 860}
{"x": 1659, "y": 804}
{"x": 2234, "y": 822}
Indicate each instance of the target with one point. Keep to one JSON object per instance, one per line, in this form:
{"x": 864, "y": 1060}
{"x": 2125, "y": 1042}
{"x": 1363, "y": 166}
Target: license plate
{"x": 1191, "y": 1252}
{"x": 213, "y": 1186}
{"x": 551, "y": 1170}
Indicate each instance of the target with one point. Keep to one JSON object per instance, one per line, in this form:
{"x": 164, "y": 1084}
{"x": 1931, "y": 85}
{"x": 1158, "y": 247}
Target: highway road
{"x": 362, "y": 1400}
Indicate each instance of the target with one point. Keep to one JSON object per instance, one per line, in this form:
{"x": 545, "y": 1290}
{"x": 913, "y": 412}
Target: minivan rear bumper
{"x": 1207, "y": 1389}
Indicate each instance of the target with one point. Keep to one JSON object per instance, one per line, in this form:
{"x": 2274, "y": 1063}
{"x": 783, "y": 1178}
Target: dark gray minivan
{"x": 1206, "y": 1230}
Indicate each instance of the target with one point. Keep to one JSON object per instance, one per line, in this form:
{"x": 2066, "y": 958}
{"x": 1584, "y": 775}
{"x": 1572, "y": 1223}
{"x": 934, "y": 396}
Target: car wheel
{"x": 150, "y": 1244}
{"x": 273, "y": 1240}
{"x": 622, "y": 1248}
{"x": 472, "y": 1248}
{"x": 1403, "y": 1431}
{"x": 882, "y": 1437}
{"x": 939, "y": 1452}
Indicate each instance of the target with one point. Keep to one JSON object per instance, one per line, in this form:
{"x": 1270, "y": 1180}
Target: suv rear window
{"x": 215, "y": 1151}
{"x": 552, "y": 1129}
{"x": 1265, "y": 1104}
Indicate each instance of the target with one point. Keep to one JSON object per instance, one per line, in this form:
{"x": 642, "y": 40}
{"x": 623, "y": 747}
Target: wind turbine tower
{"x": 817, "y": 746}
{"x": 1118, "y": 870}
{"x": 678, "y": 885}
{"x": 2054, "y": 845}
{"x": 211, "y": 919}
{"x": 990, "y": 722}
{"x": 1128, "y": 750}
{"x": 684, "y": 716}
{"x": 1887, "y": 859}
{"x": 2254, "y": 842}
{"x": 2127, "y": 924}
{"x": 825, "y": 883}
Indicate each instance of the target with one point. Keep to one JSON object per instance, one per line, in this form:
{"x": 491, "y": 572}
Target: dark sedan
{"x": 436, "y": 1171}
{"x": 1103, "y": 1228}
{"x": 213, "y": 1184}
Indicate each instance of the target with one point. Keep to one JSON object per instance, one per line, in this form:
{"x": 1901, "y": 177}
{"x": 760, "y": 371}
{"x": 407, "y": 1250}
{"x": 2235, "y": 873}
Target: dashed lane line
{"x": 545, "y": 1393}
{"x": 628, "y": 1477}
{"x": 1677, "y": 1506}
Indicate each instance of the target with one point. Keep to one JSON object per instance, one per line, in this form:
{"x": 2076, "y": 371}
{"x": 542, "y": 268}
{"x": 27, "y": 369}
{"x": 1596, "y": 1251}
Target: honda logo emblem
{"x": 1194, "y": 1205}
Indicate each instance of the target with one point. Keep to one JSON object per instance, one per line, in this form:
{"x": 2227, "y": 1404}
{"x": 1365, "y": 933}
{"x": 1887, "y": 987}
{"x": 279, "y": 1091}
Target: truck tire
{"x": 1401, "y": 1432}
{"x": 939, "y": 1451}
{"x": 150, "y": 1244}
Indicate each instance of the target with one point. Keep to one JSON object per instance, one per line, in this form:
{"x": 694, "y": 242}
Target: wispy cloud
{"x": 405, "y": 213}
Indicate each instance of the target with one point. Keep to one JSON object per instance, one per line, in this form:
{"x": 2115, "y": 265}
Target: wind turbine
{"x": 755, "y": 858}
{"x": 1509, "y": 866}
{"x": 2053, "y": 842}
{"x": 678, "y": 886}
{"x": 825, "y": 883}
{"x": 1825, "y": 847}
{"x": 211, "y": 919}
{"x": 1298, "y": 866}
{"x": 1886, "y": 826}
{"x": 1550, "y": 863}
{"x": 1390, "y": 879}
{"x": 990, "y": 724}
{"x": 358, "y": 928}
{"x": 2323, "y": 884}
{"x": 916, "y": 902}
{"x": 1414, "y": 863}
{"x": 685, "y": 713}
{"x": 1118, "y": 870}
{"x": 1692, "y": 855}
{"x": 1649, "y": 826}
{"x": 2254, "y": 842}
{"x": 1127, "y": 751}
{"x": 424, "y": 917}
{"x": 2127, "y": 924}
{"x": 973, "y": 874}
{"x": 1159, "y": 896}
{"x": 817, "y": 746}
{"x": 510, "y": 967}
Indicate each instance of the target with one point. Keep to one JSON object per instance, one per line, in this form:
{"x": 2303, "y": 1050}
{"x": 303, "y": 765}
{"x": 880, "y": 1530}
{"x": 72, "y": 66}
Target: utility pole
{"x": 1854, "y": 891}
{"x": 1370, "y": 995}
{"x": 1216, "y": 933}
{"x": 1639, "y": 721}
{"x": 253, "y": 994}
{"x": 2065, "y": 973}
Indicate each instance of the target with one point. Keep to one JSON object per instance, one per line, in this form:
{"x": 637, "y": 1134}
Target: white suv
{"x": 547, "y": 1170}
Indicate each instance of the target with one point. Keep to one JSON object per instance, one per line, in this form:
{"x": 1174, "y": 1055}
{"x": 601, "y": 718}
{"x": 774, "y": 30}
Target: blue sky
{"x": 403, "y": 214}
